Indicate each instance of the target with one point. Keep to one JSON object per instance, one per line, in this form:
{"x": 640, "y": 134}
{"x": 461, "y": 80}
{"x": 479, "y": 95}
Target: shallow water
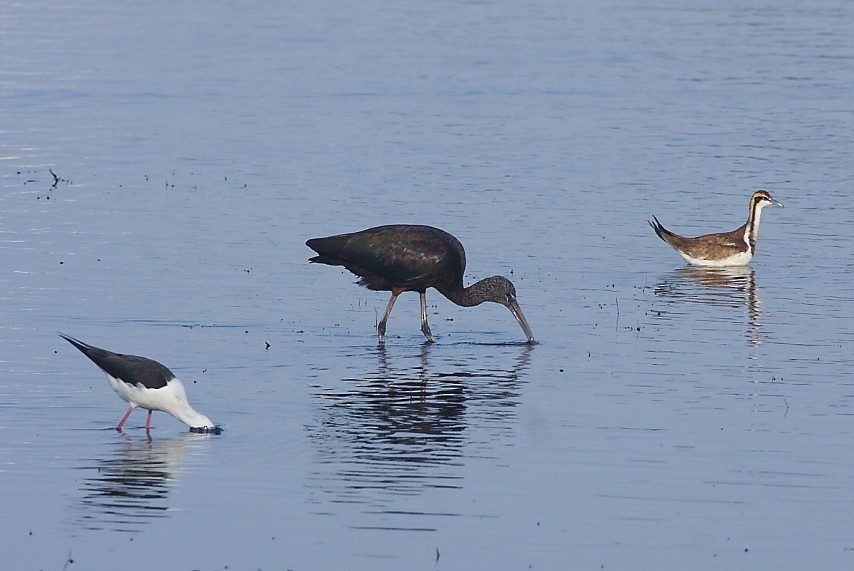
{"x": 668, "y": 417}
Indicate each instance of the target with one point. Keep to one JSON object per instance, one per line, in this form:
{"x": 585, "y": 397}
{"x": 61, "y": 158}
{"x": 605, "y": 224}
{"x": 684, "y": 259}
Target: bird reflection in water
{"x": 399, "y": 430}
{"x": 733, "y": 287}
{"x": 130, "y": 484}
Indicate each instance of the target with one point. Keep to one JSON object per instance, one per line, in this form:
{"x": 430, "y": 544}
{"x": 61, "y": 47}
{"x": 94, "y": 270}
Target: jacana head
{"x": 762, "y": 198}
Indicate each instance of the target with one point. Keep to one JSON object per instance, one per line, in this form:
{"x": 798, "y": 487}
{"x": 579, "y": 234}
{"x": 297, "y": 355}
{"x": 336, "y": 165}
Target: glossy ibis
{"x": 145, "y": 383}
{"x": 404, "y": 257}
{"x": 734, "y": 248}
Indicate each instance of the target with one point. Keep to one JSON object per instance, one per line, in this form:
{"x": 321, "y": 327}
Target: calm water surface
{"x": 668, "y": 418}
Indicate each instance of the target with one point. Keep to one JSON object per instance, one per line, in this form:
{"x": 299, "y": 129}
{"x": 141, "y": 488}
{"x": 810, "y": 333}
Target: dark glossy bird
{"x": 734, "y": 248}
{"x": 145, "y": 383}
{"x": 404, "y": 257}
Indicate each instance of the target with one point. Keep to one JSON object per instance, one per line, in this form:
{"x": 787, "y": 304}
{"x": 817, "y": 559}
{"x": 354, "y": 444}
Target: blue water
{"x": 668, "y": 418}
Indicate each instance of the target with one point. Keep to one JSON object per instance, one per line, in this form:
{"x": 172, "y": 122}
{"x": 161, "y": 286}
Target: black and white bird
{"x": 145, "y": 383}
{"x": 734, "y": 248}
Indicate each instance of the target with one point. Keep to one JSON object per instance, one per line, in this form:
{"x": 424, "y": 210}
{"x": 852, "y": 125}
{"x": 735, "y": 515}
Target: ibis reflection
{"x": 408, "y": 425}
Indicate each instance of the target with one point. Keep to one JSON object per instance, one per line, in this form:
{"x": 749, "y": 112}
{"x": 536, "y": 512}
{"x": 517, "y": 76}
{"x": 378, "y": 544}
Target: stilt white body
{"x": 172, "y": 399}
{"x": 143, "y": 382}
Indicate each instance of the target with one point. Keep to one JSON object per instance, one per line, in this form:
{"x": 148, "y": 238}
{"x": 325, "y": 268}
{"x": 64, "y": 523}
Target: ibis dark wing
{"x": 408, "y": 256}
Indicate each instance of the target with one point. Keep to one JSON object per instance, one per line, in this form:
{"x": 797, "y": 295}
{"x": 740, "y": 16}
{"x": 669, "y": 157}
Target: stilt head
{"x": 180, "y": 408}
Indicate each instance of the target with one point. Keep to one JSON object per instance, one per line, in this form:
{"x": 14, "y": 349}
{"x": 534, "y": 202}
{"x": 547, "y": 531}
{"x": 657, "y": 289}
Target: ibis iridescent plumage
{"x": 404, "y": 257}
{"x": 145, "y": 383}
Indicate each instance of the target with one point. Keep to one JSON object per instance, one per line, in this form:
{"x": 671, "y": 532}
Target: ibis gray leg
{"x": 381, "y": 325}
{"x": 425, "y": 329}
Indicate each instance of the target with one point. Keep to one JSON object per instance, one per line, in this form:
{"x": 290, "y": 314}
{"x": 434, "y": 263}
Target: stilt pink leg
{"x": 148, "y": 421}
{"x": 125, "y": 417}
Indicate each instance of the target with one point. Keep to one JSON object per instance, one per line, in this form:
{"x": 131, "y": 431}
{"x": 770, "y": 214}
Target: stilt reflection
{"x": 129, "y": 486}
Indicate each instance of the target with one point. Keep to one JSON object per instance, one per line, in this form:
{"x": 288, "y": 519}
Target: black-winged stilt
{"x": 145, "y": 383}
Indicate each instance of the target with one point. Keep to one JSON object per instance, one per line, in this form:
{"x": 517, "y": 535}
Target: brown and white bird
{"x": 406, "y": 257}
{"x": 146, "y": 383}
{"x": 734, "y": 248}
